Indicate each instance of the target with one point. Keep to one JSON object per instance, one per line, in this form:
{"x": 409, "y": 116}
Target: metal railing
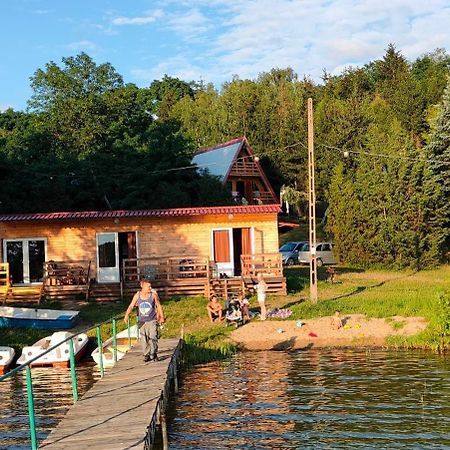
{"x": 27, "y": 365}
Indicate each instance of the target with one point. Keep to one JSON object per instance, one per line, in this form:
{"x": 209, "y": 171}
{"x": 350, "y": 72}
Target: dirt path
{"x": 358, "y": 331}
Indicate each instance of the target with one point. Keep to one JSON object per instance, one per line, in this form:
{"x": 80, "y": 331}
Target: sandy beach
{"x": 358, "y": 331}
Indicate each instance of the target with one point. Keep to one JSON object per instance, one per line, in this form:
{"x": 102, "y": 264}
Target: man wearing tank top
{"x": 150, "y": 315}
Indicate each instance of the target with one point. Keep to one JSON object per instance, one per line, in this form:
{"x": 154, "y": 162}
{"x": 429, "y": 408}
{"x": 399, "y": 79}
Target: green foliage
{"x": 386, "y": 210}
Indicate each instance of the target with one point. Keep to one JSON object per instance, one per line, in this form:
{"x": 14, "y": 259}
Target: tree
{"x": 438, "y": 147}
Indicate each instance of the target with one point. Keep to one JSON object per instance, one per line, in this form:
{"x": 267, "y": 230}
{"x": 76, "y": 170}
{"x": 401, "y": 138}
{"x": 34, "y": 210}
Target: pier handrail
{"x": 86, "y": 330}
{"x": 27, "y": 365}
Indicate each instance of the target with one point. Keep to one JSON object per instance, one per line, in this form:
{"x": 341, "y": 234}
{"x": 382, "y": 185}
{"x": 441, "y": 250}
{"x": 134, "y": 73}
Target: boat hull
{"x": 46, "y": 319}
{"x": 59, "y": 356}
{"x": 6, "y": 358}
{"x": 42, "y": 324}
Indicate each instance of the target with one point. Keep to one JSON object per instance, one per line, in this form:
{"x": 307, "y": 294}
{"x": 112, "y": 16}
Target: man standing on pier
{"x": 150, "y": 316}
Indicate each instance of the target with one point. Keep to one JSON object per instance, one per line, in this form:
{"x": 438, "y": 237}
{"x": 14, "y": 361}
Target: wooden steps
{"x": 22, "y": 294}
{"x": 106, "y": 292}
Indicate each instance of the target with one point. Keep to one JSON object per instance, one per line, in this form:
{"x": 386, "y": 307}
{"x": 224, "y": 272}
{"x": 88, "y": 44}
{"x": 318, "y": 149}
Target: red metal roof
{"x": 117, "y": 214}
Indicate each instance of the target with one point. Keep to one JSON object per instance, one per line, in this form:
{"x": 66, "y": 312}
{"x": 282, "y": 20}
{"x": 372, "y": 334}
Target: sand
{"x": 358, "y": 331}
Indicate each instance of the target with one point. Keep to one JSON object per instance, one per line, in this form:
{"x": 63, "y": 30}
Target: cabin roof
{"x": 219, "y": 158}
{"x": 117, "y": 214}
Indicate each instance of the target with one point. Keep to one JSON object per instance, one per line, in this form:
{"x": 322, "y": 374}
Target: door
{"x": 222, "y": 251}
{"x": 108, "y": 258}
{"x": 26, "y": 259}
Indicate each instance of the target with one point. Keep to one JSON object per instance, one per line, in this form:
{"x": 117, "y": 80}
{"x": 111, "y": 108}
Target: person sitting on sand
{"x": 336, "y": 321}
{"x": 214, "y": 308}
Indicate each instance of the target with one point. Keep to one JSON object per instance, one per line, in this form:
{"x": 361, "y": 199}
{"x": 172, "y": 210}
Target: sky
{"x": 211, "y": 40}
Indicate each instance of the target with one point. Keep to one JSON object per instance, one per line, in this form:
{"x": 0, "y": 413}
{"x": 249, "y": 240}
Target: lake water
{"x": 52, "y": 391}
{"x": 316, "y": 399}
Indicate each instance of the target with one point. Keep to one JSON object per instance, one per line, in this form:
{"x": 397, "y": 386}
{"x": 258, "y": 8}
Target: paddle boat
{"x": 48, "y": 319}
{"x": 6, "y": 358}
{"x": 122, "y": 347}
{"x": 58, "y": 357}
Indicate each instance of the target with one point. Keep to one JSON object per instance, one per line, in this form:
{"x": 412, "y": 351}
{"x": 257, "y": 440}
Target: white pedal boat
{"x": 60, "y": 356}
{"x": 6, "y": 358}
{"x": 122, "y": 347}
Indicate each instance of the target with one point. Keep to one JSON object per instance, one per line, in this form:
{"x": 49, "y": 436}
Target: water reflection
{"x": 315, "y": 399}
{"x": 52, "y": 391}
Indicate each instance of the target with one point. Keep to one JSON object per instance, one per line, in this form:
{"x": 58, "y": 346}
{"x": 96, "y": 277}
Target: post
{"x": 73, "y": 372}
{"x": 129, "y": 333}
{"x": 114, "y": 329}
{"x": 164, "y": 431}
{"x": 137, "y": 328}
{"x": 31, "y": 409}
{"x": 312, "y": 206}
{"x": 100, "y": 351}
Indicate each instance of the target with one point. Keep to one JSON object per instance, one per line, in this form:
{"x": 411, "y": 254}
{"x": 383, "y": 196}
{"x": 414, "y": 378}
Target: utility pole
{"x": 312, "y": 206}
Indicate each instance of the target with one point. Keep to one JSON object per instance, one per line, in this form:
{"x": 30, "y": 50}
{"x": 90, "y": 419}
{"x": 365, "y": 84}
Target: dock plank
{"x": 116, "y": 411}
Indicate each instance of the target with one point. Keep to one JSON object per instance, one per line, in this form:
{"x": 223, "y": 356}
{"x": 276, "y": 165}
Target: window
{"x": 26, "y": 259}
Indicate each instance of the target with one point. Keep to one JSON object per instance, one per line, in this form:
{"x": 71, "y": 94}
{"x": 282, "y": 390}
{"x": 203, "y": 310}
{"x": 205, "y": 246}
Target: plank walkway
{"x": 116, "y": 412}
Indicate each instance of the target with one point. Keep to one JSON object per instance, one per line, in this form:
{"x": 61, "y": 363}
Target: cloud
{"x": 5, "y": 106}
{"x": 82, "y": 45}
{"x": 178, "y": 66}
{"x": 149, "y": 17}
{"x": 220, "y": 38}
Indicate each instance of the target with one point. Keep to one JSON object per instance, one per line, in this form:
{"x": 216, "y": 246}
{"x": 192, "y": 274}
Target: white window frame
{"x": 26, "y": 257}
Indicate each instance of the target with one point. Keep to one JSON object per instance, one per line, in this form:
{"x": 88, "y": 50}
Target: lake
{"x": 314, "y": 399}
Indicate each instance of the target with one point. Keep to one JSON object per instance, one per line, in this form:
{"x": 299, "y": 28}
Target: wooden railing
{"x": 4, "y": 276}
{"x": 174, "y": 268}
{"x": 269, "y": 264}
{"x": 65, "y": 273}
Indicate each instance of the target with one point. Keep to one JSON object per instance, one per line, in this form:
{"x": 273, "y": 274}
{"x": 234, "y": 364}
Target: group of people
{"x": 151, "y": 314}
{"x": 216, "y": 311}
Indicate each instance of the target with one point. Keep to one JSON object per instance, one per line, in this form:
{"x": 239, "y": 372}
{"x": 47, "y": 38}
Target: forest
{"x": 88, "y": 140}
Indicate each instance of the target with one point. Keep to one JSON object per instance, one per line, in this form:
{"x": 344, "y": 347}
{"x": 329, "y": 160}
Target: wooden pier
{"x": 123, "y": 409}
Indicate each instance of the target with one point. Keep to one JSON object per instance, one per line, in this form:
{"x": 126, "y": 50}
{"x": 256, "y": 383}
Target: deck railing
{"x": 156, "y": 269}
{"x": 66, "y": 273}
{"x": 26, "y": 366}
{"x": 269, "y": 264}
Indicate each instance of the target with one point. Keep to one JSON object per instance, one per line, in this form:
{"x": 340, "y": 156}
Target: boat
{"x": 6, "y": 357}
{"x": 122, "y": 347}
{"x": 58, "y": 357}
{"x": 48, "y": 319}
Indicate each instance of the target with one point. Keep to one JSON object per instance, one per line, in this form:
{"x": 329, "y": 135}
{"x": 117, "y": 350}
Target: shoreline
{"x": 358, "y": 331}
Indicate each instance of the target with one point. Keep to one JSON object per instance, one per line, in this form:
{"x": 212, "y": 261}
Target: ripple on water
{"x": 315, "y": 399}
{"x": 52, "y": 391}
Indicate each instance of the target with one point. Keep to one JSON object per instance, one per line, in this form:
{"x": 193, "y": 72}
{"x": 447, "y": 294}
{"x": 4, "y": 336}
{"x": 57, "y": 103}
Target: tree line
{"x": 90, "y": 141}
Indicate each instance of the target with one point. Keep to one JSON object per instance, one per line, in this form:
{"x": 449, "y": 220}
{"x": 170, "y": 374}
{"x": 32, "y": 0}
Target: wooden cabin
{"x": 103, "y": 254}
{"x": 237, "y": 166}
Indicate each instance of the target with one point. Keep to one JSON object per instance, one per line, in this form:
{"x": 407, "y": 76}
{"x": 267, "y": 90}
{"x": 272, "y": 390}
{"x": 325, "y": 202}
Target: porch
{"x": 180, "y": 275}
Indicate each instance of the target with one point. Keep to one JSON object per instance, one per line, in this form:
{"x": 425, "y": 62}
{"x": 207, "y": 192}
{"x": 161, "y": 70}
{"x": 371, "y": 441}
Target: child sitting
{"x": 336, "y": 322}
{"x": 214, "y": 308}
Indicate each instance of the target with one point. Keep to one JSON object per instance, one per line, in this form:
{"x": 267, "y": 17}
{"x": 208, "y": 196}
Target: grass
{"x": 381, "y": 294}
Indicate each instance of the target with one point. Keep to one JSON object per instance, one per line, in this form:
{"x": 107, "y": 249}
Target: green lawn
{"x": 375, "y": 293}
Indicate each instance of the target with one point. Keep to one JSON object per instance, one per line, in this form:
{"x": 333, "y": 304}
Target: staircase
{"x": 109, "y": 292}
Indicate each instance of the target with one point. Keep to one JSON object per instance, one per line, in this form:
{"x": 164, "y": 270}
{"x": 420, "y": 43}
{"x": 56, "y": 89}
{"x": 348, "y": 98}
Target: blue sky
{"x": 211, "y": 40}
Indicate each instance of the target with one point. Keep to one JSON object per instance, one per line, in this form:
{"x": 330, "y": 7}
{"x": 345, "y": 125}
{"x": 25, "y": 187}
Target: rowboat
{"x": 49, "y": 319}
{"x": 6, "y": 358}
{"x": 122, "y": 347}
{"x": 58, "y": 357}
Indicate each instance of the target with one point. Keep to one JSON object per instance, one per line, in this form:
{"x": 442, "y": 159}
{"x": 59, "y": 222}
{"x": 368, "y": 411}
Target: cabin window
{"x": 26, "y": 259}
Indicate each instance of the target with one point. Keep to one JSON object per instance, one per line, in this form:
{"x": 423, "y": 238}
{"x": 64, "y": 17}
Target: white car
{"x": 324, "y": 254}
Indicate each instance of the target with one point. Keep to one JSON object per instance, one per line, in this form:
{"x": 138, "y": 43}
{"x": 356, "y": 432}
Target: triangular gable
{"x": 218, "y": 159}
{"x": 221, "y": 159}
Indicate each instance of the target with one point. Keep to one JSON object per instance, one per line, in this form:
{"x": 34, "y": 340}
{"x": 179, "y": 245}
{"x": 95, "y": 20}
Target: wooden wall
{"x": 172, "y": 236}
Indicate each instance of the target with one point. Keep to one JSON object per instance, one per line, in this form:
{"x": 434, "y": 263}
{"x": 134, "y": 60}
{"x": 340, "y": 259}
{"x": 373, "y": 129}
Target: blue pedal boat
{"x": 46, "y": 319}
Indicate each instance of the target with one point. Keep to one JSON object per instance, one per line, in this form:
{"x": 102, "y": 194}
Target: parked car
{"x": 289, "y": 252}
{"x": 324, "y": 254}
